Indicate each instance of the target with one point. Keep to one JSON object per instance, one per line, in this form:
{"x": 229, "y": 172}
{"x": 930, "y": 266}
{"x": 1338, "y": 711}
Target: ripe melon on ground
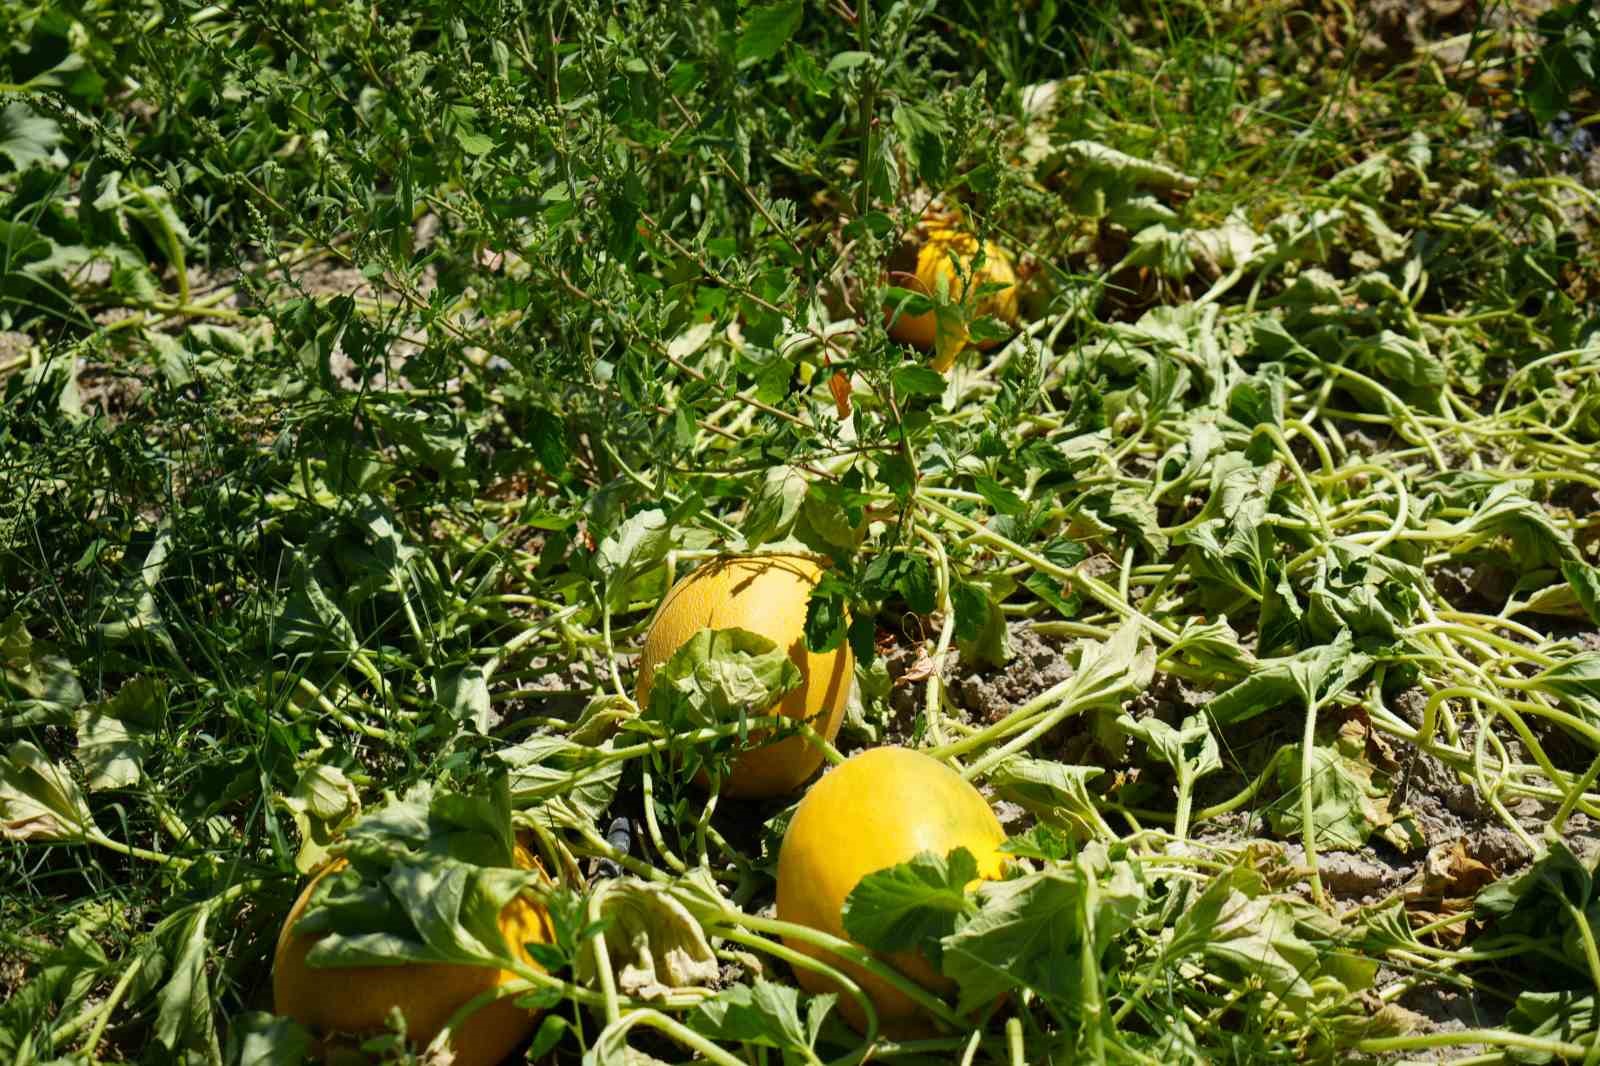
{"x": 767, "y": 595}
{"x": 878, "y": 809}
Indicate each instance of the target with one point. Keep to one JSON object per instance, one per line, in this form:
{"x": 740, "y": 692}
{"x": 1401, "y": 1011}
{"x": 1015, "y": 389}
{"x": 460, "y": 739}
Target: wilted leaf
{"x": 38, "y": 801}
{"x": 1053, "y": 791}
{"x": 324, "y": 801}
{"x": 1344, "y": 798}
{"x": 655, "y": 945}
{"x": 1392, "y": 357}
{"x": 569, "y": 781}
{"x": 1318, "y": 673}
{"x": 32, "y": 677}
{"x": 1114, "y": 671}
{"x": 257, "y": 1038}
{"x": 719, "y": 676}
{"x": 1534, "y": 536}
{"x": 1190, "y": 750}
{"x": 1567, "y": 1016}
{"x": 1090, "y": 155}
{"x": 184, "y": 1023}
{"x": 1282, "y": 941}
{"x": 1585, "y": 583}
{"x": 1539, "y": 903}
{"x": 1576, "y": 679}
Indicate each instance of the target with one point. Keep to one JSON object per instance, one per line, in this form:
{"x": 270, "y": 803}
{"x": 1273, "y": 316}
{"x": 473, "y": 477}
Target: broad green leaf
{"x": 1585, "y": 582}
{"x": 764, "y": 1013}
{"x": 904, "y": 574}
{"x": 775, "y": 507}
{"x": 913, "y": 904}
{"x": 981, "y": 633}
{"x": 825, "y": 617}
{"x": 1259, "y": 399}
{"x": 26, "y": 137}
{"x": 428, "y": 878}
{"x": 473, "y": 143}
{"x": 825, "y": 525}
{"x": 1231, "y": 244}
{"x": 1319, "y": 673}
{"x": 1040, "y": 842}
{"x": 1030, "y": 932}
{"x": 463, "y": 691}
{"x": 639, "y": 542}
{"x": 847, "y": 61}
{"x": 1001, "y": 498}
{"x": 1164, "y": 249}
{"x": 1049, "y": 590}
{"x": 768, "y": 28}
{"x": 918, "y": 381}
{"x": 429, "y": 437}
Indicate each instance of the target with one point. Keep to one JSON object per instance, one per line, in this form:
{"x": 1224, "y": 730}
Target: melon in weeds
{"x": 942, "y": 247}
{"x": 766, "y": 595}
{"x": 878, "y": 809}
{"x": 345, "y": 1004}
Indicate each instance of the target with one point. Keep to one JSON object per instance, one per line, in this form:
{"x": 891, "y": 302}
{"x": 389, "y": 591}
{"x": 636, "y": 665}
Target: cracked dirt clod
{"x": 1035, "y": 665}
{"x": 1354, "y": 874}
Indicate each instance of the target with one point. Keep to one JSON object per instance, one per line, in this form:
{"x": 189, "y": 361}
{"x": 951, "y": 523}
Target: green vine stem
{"x": 610, "y": 1042}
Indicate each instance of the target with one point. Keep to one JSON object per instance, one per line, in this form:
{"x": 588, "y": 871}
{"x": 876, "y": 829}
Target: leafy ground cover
{"x": 369, "y": 372}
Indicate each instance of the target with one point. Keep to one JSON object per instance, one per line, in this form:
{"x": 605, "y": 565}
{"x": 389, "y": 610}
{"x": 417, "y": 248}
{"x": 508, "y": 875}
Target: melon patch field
{"x": 800, "y": 532}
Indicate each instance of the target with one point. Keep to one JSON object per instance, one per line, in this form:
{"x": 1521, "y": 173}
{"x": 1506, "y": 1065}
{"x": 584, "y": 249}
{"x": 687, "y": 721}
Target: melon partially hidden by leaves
{"x": 342, "y": 1005}
{"x": 763, "y": 595}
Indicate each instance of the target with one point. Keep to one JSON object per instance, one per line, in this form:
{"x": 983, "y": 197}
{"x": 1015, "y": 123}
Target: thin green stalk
{"x": 1308, "y": 805}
